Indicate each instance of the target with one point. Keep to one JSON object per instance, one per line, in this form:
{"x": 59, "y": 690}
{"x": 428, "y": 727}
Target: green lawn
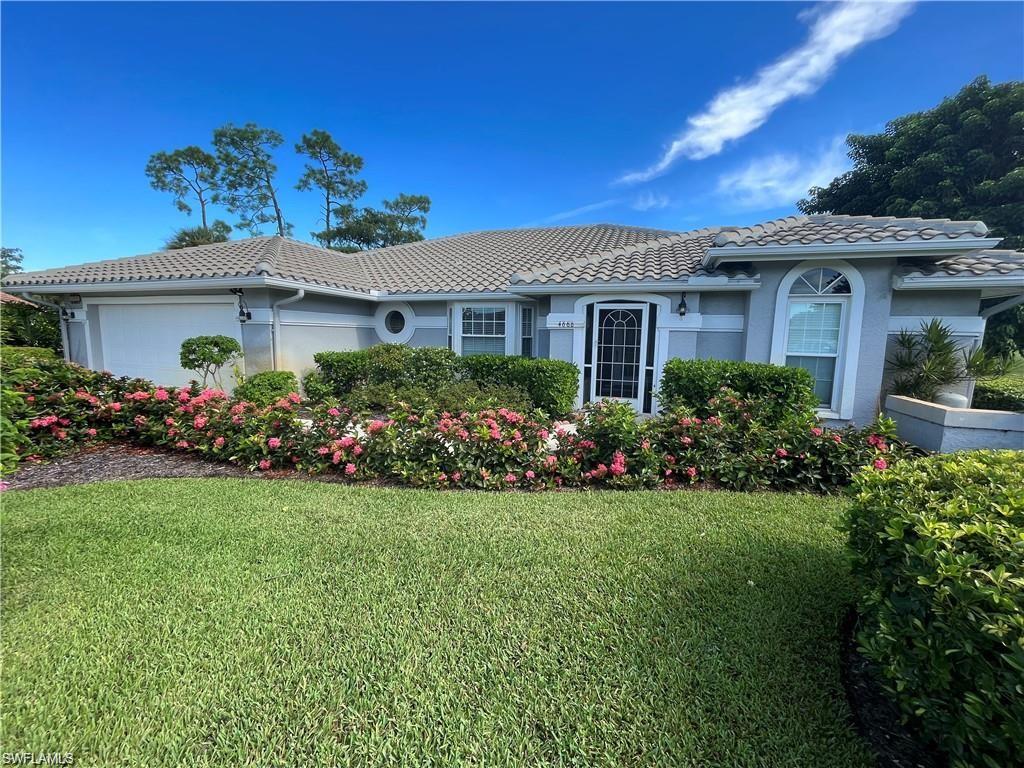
{"x": 246, "y": 622}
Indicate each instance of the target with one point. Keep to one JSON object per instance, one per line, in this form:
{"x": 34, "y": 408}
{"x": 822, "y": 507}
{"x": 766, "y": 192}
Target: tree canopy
{"x": 401, "y": 221}
{"x": 964, "y": 159}
{"x": 10, "y": 261}
{"x": 332, "y": 171}
{"x": 188, "y": 237}
{"x": 186, "y": 173}
{"x": 245, "y": 154}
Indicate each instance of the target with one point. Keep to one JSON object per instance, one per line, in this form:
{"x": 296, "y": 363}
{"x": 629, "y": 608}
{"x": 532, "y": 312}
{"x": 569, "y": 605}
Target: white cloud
{"x": 648, "y": 201}
{"x": 572, "y": 214}
{"x": 782, "y": 179}
{"x": 836, "y": 31}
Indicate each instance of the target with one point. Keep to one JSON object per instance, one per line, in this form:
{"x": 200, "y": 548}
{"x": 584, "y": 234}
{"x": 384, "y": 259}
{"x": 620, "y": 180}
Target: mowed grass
{"x": 246, "y": 622}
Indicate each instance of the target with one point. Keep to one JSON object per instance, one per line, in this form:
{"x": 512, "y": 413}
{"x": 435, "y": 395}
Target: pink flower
{"x": 333, "y": 412}
{"x": 115, "y": 406}
{"x": 199, "y": 422}
{"x": 357, "y": 450}
{"x": 668, "y": 473}
{"x": 691, "y": 471}
{"x": 274, "y": 443}
{"x": 161, "y": 395}
{"x": 294, "y": 397}
{"x": 456, "y": 476}
{"x": 347, "y": 441}
{"x": 181, "y": 444}
{"x": 350, "y": 469}
{"x": 90, "y": 432}
{"x": 184, "y": 396}
{"x": 265, "y": 464}
{"x": 837, "y": 438}
{"x": 618, "y": 466}
{"x": 781, "y": 453}
{"x": 323, "y": 450}
{"x": 442, "y": 478}
{"x": 816, "y": 431}
{"x": 686, "y": 440}
{"x": 881, "y": 464}
{"x": 169, "y": 421}
{"x": 530, "y": 474}
{"x": 336, "y": 457}
{"x": 219, "y": 442}
{"x": 375, "y": 426}
{"x": 550, "y": 461}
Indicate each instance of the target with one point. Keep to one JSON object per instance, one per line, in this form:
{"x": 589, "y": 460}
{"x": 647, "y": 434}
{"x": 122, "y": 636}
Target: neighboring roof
{"x": 252, "y": 257}
{"x": 827, "y": 229}
{"x": 500, "y": 260}
{"x": 486, "y": 261}
{"x": 6, "y": 298}
{"x": 983, "y": 263}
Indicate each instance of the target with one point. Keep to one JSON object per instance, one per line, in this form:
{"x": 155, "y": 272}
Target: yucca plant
{"x": 930, "y": 360}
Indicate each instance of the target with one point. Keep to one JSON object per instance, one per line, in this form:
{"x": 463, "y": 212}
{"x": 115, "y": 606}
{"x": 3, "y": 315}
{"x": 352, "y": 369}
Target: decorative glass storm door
{"x": 620, "y": 352}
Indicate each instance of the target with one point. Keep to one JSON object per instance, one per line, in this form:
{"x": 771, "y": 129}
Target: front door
{"x": 619, "y": 353}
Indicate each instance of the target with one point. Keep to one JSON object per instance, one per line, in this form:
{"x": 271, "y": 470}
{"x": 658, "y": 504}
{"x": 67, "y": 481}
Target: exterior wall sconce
{"x": 682, "y": 304}
{"x": 243, "y": 309}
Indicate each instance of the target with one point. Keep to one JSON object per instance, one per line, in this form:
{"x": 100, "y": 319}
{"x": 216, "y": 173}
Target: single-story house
{"x": 825, "y": 293}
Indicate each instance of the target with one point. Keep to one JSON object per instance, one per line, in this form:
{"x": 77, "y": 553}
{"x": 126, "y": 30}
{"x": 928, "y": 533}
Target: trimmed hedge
{"x": 20, "y": 357}
{"x": 1003, "y": 394}
{"x": 550, "y": 384}
{"x": 937, "y": 551}
{"x": 693, "y": 383}
{"x": 265, "y": 387}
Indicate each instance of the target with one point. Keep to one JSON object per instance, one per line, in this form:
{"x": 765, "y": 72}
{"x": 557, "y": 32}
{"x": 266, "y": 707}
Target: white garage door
{"x": 145, "y": 339}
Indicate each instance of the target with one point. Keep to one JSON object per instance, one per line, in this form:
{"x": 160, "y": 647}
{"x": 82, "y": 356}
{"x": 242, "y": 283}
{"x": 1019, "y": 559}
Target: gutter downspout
{"x": 275, "y": 338}
{"x": 61, "y": 320}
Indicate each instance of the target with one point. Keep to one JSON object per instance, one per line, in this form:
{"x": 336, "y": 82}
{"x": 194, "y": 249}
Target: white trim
{"x": 968, "y": 325}
{"x": 512, "y": 341}
{"x": 193, "y": 284}
{"x": 672, "y": 286}
{"x": 477, "y": 296}
{"x": 717, "y": 255}
{"x": 692, "y": 321}
{"x": 183, "y": 299}
{"x": 661, "y": 331}
{"x": 849, "y": 355}
{"x": 950, "y": 282}
{"x": 644, "y": 307}
{"x": 380, "y": 324}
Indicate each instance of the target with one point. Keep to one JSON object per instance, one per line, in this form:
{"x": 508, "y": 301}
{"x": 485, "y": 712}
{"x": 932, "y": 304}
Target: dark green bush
{"x": 548, "y": 384}
{"x": 936, "y": 550}
{"x": 1003, "y": 394}
{"x": 20, "y": 357}
{"x": 316, "y": 388}
{"x": 781, "y": 390}
{"x": 551, "y": 384}
{"x": 266, "y": 387}
{"x": 343, "y": 371}
{"x": 453, "y": 398}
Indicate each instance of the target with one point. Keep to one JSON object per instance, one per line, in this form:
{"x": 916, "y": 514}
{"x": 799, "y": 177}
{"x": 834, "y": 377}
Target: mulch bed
{"x": 117, "y": 461}
{"x": 877, "y": 717}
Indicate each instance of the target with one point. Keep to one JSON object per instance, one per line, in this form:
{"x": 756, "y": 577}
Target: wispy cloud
{"x": 836, "y": 31}
{"x": 572, "y": 214}
{"x": 782, "y": 179}
{"x": 649, "y": 201}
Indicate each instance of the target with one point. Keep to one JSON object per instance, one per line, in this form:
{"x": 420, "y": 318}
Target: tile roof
{"x": 485, "y": 261}
{"x": 252, "y": 257}
{"x": 494, "y": 260}
{"x": 981, "y": 263}
{"x": 825, "y": 229}
{"x": 672, "y": 257}
{"x": 6, "y": 298}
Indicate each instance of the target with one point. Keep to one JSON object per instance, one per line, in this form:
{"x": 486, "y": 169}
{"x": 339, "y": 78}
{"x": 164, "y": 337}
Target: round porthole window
{"x": 394, "y": 321}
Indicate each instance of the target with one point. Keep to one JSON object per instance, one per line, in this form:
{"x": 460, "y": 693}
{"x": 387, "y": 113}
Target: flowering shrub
{"x": 61, "y": 406}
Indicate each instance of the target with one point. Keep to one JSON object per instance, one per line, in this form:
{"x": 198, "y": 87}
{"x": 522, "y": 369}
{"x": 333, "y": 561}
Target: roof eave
{"x": 144, "y": 286}
{"x": 717, "y": 255}
{"x": 990, "y": 285}
{"x": 696, "y": 283}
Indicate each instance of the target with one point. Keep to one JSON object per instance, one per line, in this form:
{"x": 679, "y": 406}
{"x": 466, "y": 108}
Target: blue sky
{"x": 505, "y": 114}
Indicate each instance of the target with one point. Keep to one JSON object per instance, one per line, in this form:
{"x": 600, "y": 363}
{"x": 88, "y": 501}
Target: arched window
{"x": 816, "y": 321}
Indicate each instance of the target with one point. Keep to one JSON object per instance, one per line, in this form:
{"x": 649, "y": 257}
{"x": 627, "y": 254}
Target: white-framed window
{"x": 526, "y": 331}
{"x": 483, "y": 329}
{"x": 394, "y": 322}
{"x": 816, "y": 318}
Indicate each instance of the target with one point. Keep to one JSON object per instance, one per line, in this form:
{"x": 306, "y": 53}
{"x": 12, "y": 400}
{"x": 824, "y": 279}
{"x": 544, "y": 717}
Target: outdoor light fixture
{"x": 243, "y": 309}
{"x": 682, "y": 304}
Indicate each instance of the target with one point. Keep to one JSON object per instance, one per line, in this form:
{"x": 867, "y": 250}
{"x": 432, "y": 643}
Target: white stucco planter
{"x": 944, "y": 429}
